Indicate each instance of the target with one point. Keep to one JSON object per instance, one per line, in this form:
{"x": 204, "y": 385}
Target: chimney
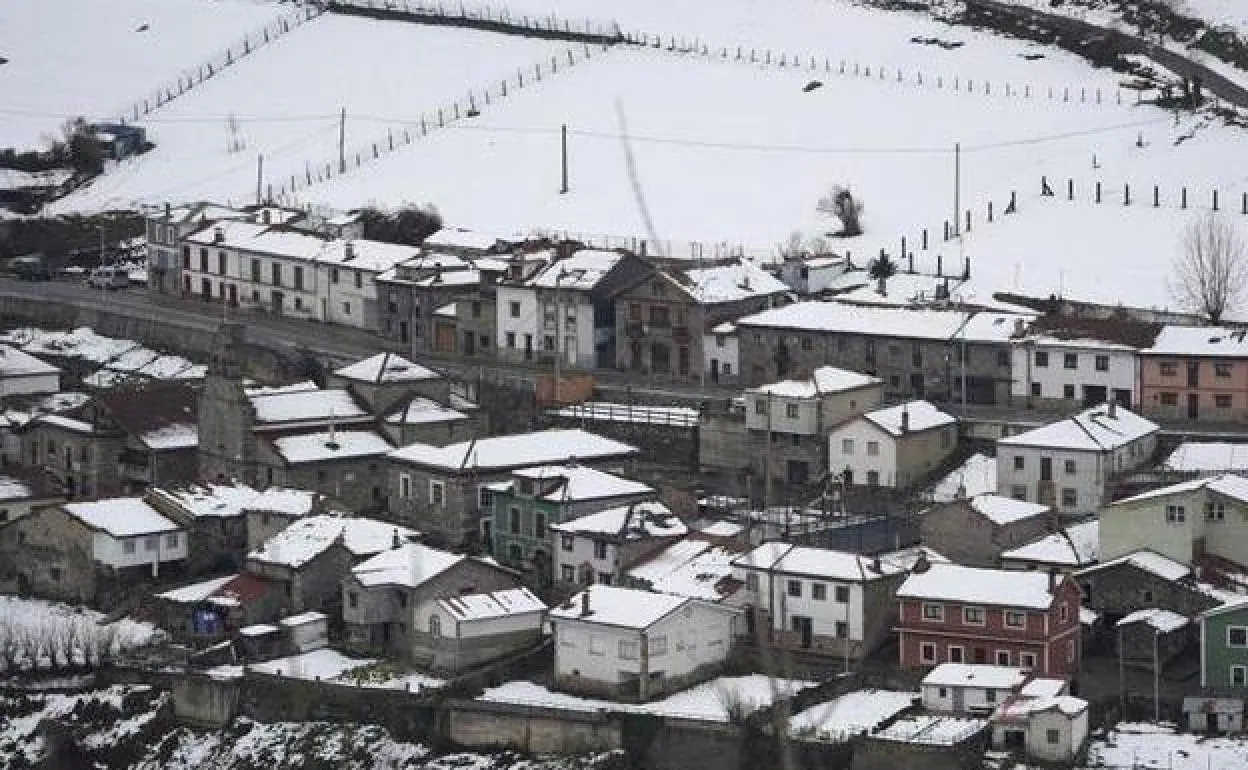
{"x": 266, "y": 217}
{"x": 1112, "y": 409}
{"x": 168, "y": 210}
{"x": 348, "y": 250}
{"x": 218, "y": 235}
{"x": 396, "y": 541}
{"x": 921, "y": 564}
{"x": 960, "y": 493}
{"x": 1054, "y": 578}
{"x": 1019, "y": 325}
{"x": 905, "y": 420}
{"x": 876, "y": 567}
{"x": 585, "y": 602}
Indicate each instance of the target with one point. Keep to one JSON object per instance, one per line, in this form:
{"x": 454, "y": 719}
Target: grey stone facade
{"x": 226, "y": 417}
{"x": 968, "y": 537}
{"x": 1118, "y": 588}
{"x": 49, "y": 554}
{"x": 314, "y": 585}
{"x": 356, "y": 482}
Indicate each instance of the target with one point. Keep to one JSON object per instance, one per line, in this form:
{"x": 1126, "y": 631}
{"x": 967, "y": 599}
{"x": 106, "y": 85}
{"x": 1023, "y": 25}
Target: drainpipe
{"x": 643, "y": 655}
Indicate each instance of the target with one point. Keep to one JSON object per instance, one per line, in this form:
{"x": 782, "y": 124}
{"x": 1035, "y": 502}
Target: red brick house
{"x": 954, "y": 614}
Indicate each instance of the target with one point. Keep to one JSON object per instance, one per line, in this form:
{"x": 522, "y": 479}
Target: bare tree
{"x": 841, "y": 204}
{"x": 1209, "y": 273}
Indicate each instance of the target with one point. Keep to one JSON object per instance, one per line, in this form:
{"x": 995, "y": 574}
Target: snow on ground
{"x": 707, "y": 701}
{"x": 50, "y": 634}
{"x": 851, "y": 714}
{"x": 322, "y": 664}
{"x": 978, "y": 476}
{"x": 395, "y": 73}
{"x": 1160, "y": 746}
{"x": 115, "y": 714}
{"x": 93, "y": 57}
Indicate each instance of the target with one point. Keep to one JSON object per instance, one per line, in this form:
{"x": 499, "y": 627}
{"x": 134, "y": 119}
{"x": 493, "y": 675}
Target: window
{"x": 127, "y": 546}
{"x": 346, "y": 308}
{"x": 657, "y": 645}
{"x": 990, "y": 696}
{"x": 353, "y": 599}
{"x": 841, "y": 594}
{"x": 513, "y": 520}
{"x": 1063, "y": 612}
{"x": 927, "y": 652}
{"x": 1215, "y": 511}
{"x": 255, "y": 271}
{"x": 1102, "y": 363}
{"x": 1019, "y": 462}
{"x": 565, "y": 542}
{"x": 1070, "y": 497}
{"x": 437, "y": 493}
{"x": 1018, "y": 492}
{"x": 841, "y": 629}
{"x": 1070, "y": 651}
{"x": 795, "y": 589}
{"x": 405, "y": 485}
{"x": 171, "y": 540}
{"x": 1070, "y": 467}
{"x": 515, "y": 553}
{"x": 203, "y": 260}
{"x": 1026, "y": 660}
{"x": 539, "y": 525}
{"x": 222, "y": 262}
{"x": 790, "y": 411}
{"x": 1052, "y": 735}
{"x": 873, "y": 449}
{"x": 1169, "y": 369}
{"x": 151, "y": 543}
{"x": 1003, "y": 358}
{"x": 956, "y": 654}
{"x": 1035, "y": 389}
{"x": 1176, "y": 514}
{"x": 511, "y": 340}
{"x": 1239, "y": 675}
{"x": 277, "y": 274}
{"x": 973, "y": 616}
{"x": 514, "y": 309}
{"x": 1042, "y": 359}
{"x": 807, "y": 343}
{"x": 359, "y": 279}
{"x": 819, "y": 591}
{"x": 402, "y": 599}
{"x": 333, "y": 275}
{"x": 1222, "y": 369}
{"x": 1237, "y": 636}
{"x": 1169, "y": 399}
{"x": 760, "y": 406}
{"x": 600, "y": 549}
{"x": 751, "y": 582}
{"x": 873, "y": 478}
{"x": 629, "y": 649}
{"x": 1070, "y": 361}
{"x": 1068, "y": 391}
{"x": 567, "y": 573}
{"x": 1015, "y": 619}
{"x": 847, "y": 446}
{"x": 1003, "y": 657}
{"x": 934, "y": 612}
{"x": 1222, "y": 400}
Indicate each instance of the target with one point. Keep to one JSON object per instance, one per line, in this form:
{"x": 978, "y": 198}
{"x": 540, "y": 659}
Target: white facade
{"x": 450, "y": 626}
{"x": 566, "y": 324}
{"x": 828, "y": 616}
{"x": 1055, "y": 736}
{"x": 574, "y": 550}
{"x": 1080, "y": 371}
{"x": 721, "y": 356}
{"x": 868, "y": 452}
{"x": 781, "y": 413}
{"x": 139, "y": 550}
{"x": 516, "y": 322}
{"x": 962, "y": 698}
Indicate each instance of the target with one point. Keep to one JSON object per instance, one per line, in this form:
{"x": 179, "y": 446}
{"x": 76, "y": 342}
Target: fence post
{"x": 1184, "y": 204}
{"x": 1215, "y": 200}
{"x": 1126, "y": 194}
{"x": 1156, "y": 196}
{"x": 968, "y": 220}
{"x": 925, "y": 239}
{"x": 1070, "y": 189}
{"x": 989, "y": 211}
{"x": 1244, "y": 204}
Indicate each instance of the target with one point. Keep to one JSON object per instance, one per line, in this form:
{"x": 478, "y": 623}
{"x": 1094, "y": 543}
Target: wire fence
{"x": 195, "y": 76}
{"x": 500, "y": 16}
{"x": 693, "y": 251}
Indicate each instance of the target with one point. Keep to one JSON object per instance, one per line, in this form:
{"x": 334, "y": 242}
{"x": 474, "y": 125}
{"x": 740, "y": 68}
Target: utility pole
{"x": 558, "y": 338}
{"x": 957, "y": 189}
{"x": 563, "y": 139}
{"x": 259, "y": 178}
{"x": 1156, "y": 679}
{"x": 767, "y": 465}
{"x": 342, "y": 141}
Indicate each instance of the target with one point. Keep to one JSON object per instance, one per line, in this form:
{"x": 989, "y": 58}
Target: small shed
{"x": 305, "y": 632}
{"x": 260, "y": 642}
{"x": 1214, "y": 715}
{"x": 1049, "y": 728}
{"x": 1153, "y": 636}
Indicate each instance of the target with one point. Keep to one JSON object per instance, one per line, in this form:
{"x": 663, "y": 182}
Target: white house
{"x": 22, "y": 374}
{"x": 892, "y": 447}
{"x": 1043, "y": 720}
{"x": 970, "y": 687}
{"x": 816, "y": 599}
{"x": 481, "y": 626}
{"x": 1068, "y": 464}
{"x": 127, "y": 532}
{"x": 636, "y": 645}
{"x": 346, "y": 284}
{"x": 1182, "y": 521}
{"x": 722, "y": 353}
{"x": 601, "y": 547}
{"x": 810, "y": 406}
{"x": 1061, "y": 361}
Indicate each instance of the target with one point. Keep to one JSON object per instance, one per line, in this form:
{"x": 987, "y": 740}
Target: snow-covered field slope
{"x": 93, "y": 57}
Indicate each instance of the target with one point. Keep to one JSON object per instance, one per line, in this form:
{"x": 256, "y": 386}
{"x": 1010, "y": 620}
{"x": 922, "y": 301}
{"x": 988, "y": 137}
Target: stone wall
{"x": 874, "y": 754}
{"x": 202, "y": 701}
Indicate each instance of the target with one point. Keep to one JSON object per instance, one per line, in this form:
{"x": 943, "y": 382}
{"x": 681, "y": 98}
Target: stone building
{"x": 214, "y": 518}
{"x": 343, "y": 464}
{"x": 978, "y": 530}
{"x": 1145, "y": 580}
{"x": 226, "y": 446}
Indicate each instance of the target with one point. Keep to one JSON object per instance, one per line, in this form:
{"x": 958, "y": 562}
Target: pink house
{"x": 1196, "y": 373}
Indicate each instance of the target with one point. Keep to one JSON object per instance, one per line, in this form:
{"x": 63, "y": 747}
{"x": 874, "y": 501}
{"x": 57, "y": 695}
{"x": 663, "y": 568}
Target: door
{"x": 959, "y": 700}
{"x": 714, "y": 370}
{"x": 470, "y": 340}
{"x": 1094, "y": 394}
{"x": 1193, "y": 374}
{"x": 233, "y": 295}
{"x": 805, "y": 629}
{"x": 1122, "y": 397}
{"x": 1046, "y": 468}
{"x": 278, "y": 300}
{"x": 1193, "y": 406}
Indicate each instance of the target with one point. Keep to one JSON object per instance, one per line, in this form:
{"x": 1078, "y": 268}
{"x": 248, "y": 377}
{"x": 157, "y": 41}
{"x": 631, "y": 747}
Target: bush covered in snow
{"x": 42, "y": 635}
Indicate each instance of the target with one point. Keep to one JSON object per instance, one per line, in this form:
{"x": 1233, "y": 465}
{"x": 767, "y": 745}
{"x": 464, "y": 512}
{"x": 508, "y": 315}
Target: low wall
{"x": 268, "y": 698}
{"x": 202, "y": 701}
{"x": 532, "y": 729}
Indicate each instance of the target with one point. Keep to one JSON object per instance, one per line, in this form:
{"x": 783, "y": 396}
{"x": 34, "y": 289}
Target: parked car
{"x": 30, "y": 268}
{"x": 109, "y": 277}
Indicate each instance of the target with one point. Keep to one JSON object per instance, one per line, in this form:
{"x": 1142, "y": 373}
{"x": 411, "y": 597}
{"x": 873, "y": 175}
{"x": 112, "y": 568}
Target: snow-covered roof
{"x": 693, "y": 568}
{"x": 386, "y": 369}
{"x": 580, "y": 272}
{"x": 1006, "y": 510}
{"x": 986, "y": 326}
{"x": 303, "y": 619}
{"x": 460, "y": 238}
{"x": 178, "y": 435}
{"x": 308, "y": 537}
{"x": 195, "y": 592}
{"x": 976, "y": 476}
{"x": 722, "y": 529}
{"x": 931, "y": 730}
{"x": 259, "y": 629}
{"x": 1099, "y": 429}
{"x": 1149, "y": 561}
{"x": 121, "y": 517}
{"x": 920, "y": 416}
{"x": 331, "y": 445}
{"x": 974, "y": 585}
{"x": 1162, "y": 620}
{"x": 362, "y": 254}
{"x": 17, "y": 363}
{"x": 311, "y": 405}
{"x": 1076, "y": 546}
{"x": 291, "y": 502}
{"x": 854, "y": 319}
{"x": 1207, "y": 457}
{"x": 252, "y": 389}
{"x": 729, "y": 283}
{"x": 68, "y": 423}
{"x": 580, "y": 482}
{"x": 976, "y": 675}
{"x": 825, "y": 379}
{"x": 616, "y": 606}
{"x": 410, "y": 565}
{"x": 516, "y": 451}
{"x": 14, "y": 489}
{"x": 627, "y": 522}
{"x": 208, "y": 500}
{"x": 497, "y": 604}
{"x": 1023, "y": 706}
{"x": 1228, "y": 485}
{"x": 423, "y": 411}
{"x": 1200, "y": 341}
{"x": 816, "y": 562}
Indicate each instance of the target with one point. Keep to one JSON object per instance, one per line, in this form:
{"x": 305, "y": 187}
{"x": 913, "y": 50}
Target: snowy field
{"x": 709, "y": 701}
{"x": 93, "y": 57}
{"x": 1158, "y": 746}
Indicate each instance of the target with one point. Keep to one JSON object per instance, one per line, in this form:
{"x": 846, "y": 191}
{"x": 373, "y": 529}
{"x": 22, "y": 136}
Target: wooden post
{"x": 1156, "y": 196}
{"x": 1126, "y": 194}
{"x": 925, "y": 229}
{"x": 989, "y": 211}
{"x": 1098, "y": 192}
{"x": 1215, "y": 200}
{"x": 1184, "y": 203}
{"x": 1070, "y": 189}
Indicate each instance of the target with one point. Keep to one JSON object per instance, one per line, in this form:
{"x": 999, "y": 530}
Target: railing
{"x": 669, "y": 416}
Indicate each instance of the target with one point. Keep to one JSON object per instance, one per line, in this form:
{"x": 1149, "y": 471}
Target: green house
{"x": 1224, "y": 648}
{"x": 516, "y": 530}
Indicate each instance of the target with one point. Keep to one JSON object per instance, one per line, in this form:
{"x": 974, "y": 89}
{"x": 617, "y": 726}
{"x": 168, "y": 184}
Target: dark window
{"x": 1222, "y": 369}
{"x": 1222, "y": 400}
{"x": 1035, "y": 389}
{"x": 277, "y": 274}
{"x": 255, "y": 271}
{"x": 1042, "y": 359}
{"x": 1070, "y": 361}
{"x": 1003, "y": 358}
{"x": 1019, "y": 462}
{"x": 514, "y": 309}
{"x": 514, "y": 520}
{"x": 1102, "y": 363}
{"x": 1169, "y": 399}
{"x": 819, "y": 591}
{"x": 1068, "y": 391}
{"x": 842, "y": 594}
{"x": 298, "y": 277}
{"x": 359, "y": 279}
{"x": 795, "y": 588}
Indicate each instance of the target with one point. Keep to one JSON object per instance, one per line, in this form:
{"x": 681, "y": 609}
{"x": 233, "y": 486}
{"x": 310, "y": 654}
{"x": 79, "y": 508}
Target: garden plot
{"x": 284, "y": 101}
{"x": 93, "y": 57}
